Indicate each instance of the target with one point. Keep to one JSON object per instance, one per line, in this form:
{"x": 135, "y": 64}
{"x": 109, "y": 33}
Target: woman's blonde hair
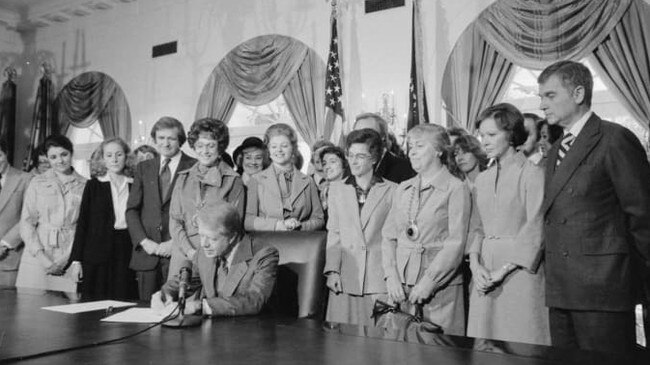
{"x": 97, "y": 166}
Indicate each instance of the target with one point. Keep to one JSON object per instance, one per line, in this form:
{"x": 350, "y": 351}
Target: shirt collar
{"x": 577, "y": 126}
{"x": 439, "y": 181}
{"x": 352, "y": 181}
{"x": 107, "y": 178}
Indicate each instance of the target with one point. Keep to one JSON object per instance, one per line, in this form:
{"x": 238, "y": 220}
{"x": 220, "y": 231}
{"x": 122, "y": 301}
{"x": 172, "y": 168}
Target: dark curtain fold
{"x": 90, "y": 97}
{"x": 8, "y": 117}
{"x": 305, "y": 98}
{"x": 623, "y": 61}
{"x": 533, "y": 34}
{"x": 44, "y": 121}
{"x": 257, "y": 71}
{"x": 475, "y": 78}
{"x": 215, "y": 100}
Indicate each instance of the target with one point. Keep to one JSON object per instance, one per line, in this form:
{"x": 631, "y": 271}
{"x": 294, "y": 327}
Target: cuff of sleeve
{"x": 206, "y": 307}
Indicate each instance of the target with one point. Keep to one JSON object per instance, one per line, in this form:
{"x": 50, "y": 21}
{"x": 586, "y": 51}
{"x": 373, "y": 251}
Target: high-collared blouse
{"x": 196, "y": 187}
{"x": 509, "y": 196}
{"x": 50, "y": 212}
{"x": 442, "y": 218}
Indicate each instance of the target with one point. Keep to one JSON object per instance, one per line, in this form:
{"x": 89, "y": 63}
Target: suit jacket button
{"x": 565, "y": 254}
{"x": 548, "y": 222}
{"x": 570, "y": 190}
{"x": 563, "y": 221}
{"x": 363, "y": 248}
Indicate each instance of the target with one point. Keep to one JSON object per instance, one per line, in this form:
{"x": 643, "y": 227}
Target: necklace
{"x": 412, "y": 230}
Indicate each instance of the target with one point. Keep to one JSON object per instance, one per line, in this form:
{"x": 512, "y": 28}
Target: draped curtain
{"x": 476, "y": 77}
{"x": 8, "y": 116}
{"x": 43, "y": 121}
{"x": 534, "y": 34}
{"x": 257, "y": 71}
{"x": 90, "y": 97}
{"x": 623, "y": 61}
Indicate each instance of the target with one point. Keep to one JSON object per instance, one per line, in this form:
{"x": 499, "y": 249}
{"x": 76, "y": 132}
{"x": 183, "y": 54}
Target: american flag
{"x": 333, "y": 89}
{"x": 418, "y": 110}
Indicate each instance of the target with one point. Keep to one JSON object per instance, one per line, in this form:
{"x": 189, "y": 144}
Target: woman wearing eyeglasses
{"x": 425, "y": 233}
{"x": 353, "y": 268}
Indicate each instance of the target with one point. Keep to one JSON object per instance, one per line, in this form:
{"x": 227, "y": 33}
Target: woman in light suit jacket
{"x": 353, "y": 257}
{"x": 281, "y": 198}
{"x": 426, "y": 231}
{"x": 49, "y": 220}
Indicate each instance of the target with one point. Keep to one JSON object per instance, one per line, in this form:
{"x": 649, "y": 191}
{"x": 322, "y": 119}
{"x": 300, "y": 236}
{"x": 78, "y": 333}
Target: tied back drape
{"x": 623, "y": 61}
{"x": 257, "y": 71}
{"x": 90, "y": 97}
{"x": 43, "y": 121}
{"x": 534, "y": 34}
{"x": 8, "y": 117}
{"x": 476, "y": 77}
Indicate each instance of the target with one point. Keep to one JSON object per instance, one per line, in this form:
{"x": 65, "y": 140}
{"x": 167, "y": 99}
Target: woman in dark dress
{"x": 102, "y": 244}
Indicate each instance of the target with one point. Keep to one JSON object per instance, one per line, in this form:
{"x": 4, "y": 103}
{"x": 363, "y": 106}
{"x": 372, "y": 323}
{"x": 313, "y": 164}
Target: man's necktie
{"x": 164, "y": 179}
{"x": 565, "y": 144}
{"x": 222, "y": 274}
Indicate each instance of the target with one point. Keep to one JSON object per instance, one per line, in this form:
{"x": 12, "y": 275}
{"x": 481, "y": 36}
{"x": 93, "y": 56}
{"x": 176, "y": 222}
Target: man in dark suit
{"x": 13, "y": 183}
{"x": 597, "y": 217}
{"x": 230, "y": 276}
{"x": 147, "y": 210}
{"x": 391, "y": 167}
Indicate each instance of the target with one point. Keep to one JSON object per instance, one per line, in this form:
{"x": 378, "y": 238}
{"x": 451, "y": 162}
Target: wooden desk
{"x": 25, "y": 329}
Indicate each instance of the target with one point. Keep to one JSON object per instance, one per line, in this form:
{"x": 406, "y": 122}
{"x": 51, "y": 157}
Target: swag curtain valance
{"x": 90, "y": 97}
{"x": 535, "y": 33}
{"x": 258, "y": 71}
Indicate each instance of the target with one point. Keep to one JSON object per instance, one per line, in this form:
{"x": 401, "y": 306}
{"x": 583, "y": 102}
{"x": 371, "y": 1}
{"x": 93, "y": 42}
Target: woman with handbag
{"x": 353, "y": 257}
{"x": 425, "y": 233}
{"x": 507, "y": 298}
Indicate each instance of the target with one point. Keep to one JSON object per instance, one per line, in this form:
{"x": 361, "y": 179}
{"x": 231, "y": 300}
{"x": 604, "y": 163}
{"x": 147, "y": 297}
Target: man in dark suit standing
{"x": 391, "y": 167}
{"x": 147, "y": 210}
{"x": 597, "y": 221}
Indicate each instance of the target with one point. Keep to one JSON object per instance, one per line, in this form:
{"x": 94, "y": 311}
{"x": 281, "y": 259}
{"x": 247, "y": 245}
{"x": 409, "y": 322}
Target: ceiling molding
{"x": 23, "y": 15}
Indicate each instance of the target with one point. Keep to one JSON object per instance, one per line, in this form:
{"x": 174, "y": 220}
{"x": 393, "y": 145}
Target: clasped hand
{"x": 486, "y": 280}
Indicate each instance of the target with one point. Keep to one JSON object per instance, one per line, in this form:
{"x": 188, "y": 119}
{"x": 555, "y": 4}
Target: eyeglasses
{"x": 359, "y": 156}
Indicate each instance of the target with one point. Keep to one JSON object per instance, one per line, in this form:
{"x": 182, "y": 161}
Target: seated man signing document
{"x": 233, "y": 278}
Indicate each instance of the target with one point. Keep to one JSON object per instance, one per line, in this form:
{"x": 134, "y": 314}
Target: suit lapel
{"x": 375, "y": 196}
{"x": 584, "y": 143}
{"x": 11, "y": 182}
{"x": 239, "y": 266}
{"x": 270, "y": 182}
{"x": 300, "y": 183}
{"x": 185, "y": 163}
{"x": 207, "y": 272}
{"x": 152, "y": 172}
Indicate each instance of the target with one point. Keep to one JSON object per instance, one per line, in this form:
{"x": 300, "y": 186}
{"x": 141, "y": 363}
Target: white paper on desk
{"x": 136, "y": 315}
{"x": 88, "y": 306}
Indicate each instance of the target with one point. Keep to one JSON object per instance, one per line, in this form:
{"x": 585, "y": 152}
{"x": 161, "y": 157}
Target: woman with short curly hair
{"x": 210, "y": 181}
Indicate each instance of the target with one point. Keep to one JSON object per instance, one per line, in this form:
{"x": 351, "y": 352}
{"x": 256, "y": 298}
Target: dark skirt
{"x": 112, "y": 279}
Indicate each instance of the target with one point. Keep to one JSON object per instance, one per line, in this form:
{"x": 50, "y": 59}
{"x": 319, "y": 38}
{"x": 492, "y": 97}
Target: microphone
{"x": 182, "y": 321}
{"x": 183, "y": 284}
